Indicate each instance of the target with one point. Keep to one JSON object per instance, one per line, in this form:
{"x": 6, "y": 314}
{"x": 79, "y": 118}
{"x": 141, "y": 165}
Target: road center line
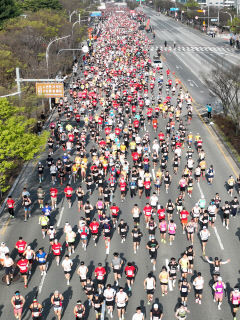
{"x": 103, "y": 310}
{"x": 60, "y": 217}
{"x": 153, "y": 173}
{"x": 42, "y": 280}
{"x": 200, "y": 189}
{"x": 219, "y": 239}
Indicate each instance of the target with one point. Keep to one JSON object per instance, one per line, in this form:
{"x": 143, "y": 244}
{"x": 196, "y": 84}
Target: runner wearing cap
{"x": 57, "y": 300}
{"x": 18, "y": 302}
{"x": 36, "y": 310}
{"x": 156, "y": 313}
{"x": 79, "y": 310}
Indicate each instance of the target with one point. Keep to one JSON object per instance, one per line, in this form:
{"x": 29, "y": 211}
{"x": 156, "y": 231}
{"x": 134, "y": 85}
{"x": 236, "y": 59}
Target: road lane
{"x": 55, "y": 277}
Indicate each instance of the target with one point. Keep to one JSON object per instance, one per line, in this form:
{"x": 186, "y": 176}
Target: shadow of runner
{"x": 29, "y": 299}
{"x": 67, "y": 295}
{"x": 1, "y": 309}
{"x": 46, "y": 307}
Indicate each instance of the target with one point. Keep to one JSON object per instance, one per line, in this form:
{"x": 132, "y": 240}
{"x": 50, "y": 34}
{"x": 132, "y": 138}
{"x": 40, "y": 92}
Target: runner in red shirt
{"x": 56, "y": 249}
{"x": 107, "y": 130}
{"x": 114, "y": 210}
{"x": 53, "y": 195}
{"x": 135, "y": 156}
{"x": 117, "y": 131}
{"x": 136, "y": 124}
{"x": 161, "y": 214}
{"x": 77, "y": 117}
{"x": 130, "y": 272}
{"x": 123, "y": 187}
{"x": 21, "y": 246}
{"x": 147, "y": 210}
{"x": 147, "y": 186}
{"x": 100, "y": 123}
{"x": 11, "y": 203}
{"x": 100, "y": 273}
{"x": 94, "y": 227}
{"x": 161, "y": 137}
{"x": 184, "y": 218}
{"x": 68, "y": 193}
{"x": 23, "y": 265}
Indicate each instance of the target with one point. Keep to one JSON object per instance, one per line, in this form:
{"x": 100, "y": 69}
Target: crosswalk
{"x": 192, "y": 49}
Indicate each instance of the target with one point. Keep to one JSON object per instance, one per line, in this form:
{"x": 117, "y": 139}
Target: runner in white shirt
{"x": 109, "y": 294}
{"x": 67, "y": 268}
{"x": 121, "y": 300}
{"x": 154, "y": 202}
{"x": 138, "y": 315}
{"x": 149, "y": 285}
{"x": 204, "y": 235}
{"x": 198, "y": 283}
{"x": 82, "y": 272}
{"x": 3, "y": 250}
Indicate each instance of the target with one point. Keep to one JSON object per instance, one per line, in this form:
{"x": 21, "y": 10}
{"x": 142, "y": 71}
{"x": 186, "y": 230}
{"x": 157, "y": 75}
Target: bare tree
{"x": 225, "y": 84}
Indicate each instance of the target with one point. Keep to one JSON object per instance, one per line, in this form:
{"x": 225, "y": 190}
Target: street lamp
{"x": 70, "y": 15}
{"x": 48, "y": 47}
{"x": 78, "y": 21}
{"x": 231, "y": 18}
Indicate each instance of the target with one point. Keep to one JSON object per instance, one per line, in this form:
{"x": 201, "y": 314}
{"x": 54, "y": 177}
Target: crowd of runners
{"x": 122, "y": 132}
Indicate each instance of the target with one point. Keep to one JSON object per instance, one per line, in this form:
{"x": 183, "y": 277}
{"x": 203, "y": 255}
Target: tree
{"x": 17, "y": 141}
{"x": 35, "y": 5}
{"x": 234, "y": 25}
{"x": 191, "y": 4}
{"x": 8, "y": 9}
{"x": 225, "y": 84}
{"x": 132, "y": 5}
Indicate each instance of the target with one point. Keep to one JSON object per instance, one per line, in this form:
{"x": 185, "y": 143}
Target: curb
{"x": 217, "y": 132}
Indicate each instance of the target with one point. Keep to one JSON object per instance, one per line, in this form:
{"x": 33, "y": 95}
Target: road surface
{"x": 222, "y": 243}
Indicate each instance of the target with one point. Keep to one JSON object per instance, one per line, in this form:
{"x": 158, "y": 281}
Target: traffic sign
{"x": 50, "y": 90}
{"x": 200, "y": 10}
{"x": 214, "y": 19}
{"x": 174, "y": 9}
{"x": 96, "y": 14}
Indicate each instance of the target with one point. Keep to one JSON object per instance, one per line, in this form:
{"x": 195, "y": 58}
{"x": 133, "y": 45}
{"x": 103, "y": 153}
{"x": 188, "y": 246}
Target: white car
{"x": 157, "y": 62}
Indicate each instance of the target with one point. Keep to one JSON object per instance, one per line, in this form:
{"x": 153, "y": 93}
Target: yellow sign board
{"x": 203, "y": 23}
{"x": 199, "y": 10}
{"x": 50, "y": 90}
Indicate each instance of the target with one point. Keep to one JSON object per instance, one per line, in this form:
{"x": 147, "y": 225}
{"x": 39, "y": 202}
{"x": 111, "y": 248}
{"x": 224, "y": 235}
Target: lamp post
{"x": 231, "y": 18}
{"x": 48, "y": 47}
{"x": 70, "y": 15}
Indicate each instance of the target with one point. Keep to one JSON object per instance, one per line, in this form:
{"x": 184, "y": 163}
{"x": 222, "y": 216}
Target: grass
{"x": 227, "y": 130}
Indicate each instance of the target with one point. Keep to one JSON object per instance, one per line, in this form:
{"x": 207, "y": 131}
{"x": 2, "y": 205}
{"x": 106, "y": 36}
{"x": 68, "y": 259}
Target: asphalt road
{"x": 223, "y": 243}
{"x": 196, "y": 54}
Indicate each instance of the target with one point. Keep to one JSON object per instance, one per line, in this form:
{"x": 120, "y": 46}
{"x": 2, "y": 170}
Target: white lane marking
{"x": 103, "y": 310}
{"x": 154, "y": 177}
{"x": 42, "y": 280}
{"x": 194, "y": 83}
{"x": 60, "y": 217}
{"x": 219, "y": 239}
{"x": 167, "y": 262}
{"x": 108, "y": 248}
{"x": 200, "y": 189}
{"x": 169, "y": 282}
